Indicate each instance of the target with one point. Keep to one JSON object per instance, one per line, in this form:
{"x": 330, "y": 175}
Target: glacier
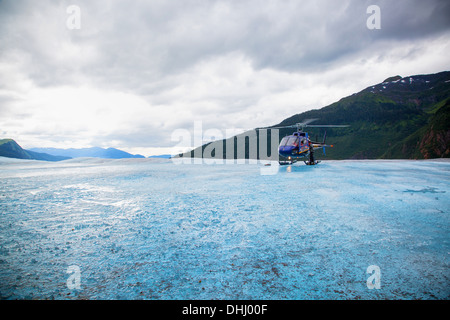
{"x": 155, "y": 229}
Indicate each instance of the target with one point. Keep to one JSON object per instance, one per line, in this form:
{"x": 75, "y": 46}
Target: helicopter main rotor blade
{"x": 297, "y": 125}
{"x": 304, "y": 123}
{"x": 282, "y": 127}
{"x": 327, "y": 126}
{"x": 300, "y": 125}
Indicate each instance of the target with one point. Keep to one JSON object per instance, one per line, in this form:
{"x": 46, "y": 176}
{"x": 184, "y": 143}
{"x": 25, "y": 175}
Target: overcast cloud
{"x": 138, "y": 70}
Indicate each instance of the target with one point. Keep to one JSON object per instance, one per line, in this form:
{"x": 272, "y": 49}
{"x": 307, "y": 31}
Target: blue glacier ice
{"x": 154, "y": 229}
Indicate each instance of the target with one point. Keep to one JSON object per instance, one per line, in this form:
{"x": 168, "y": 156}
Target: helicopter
{"x": 299, "y": 146}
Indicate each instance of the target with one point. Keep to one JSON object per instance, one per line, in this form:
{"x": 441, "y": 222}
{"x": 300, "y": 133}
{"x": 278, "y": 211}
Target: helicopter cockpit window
{"x": 293, "y": 141}
{"x": 283, "y": 141}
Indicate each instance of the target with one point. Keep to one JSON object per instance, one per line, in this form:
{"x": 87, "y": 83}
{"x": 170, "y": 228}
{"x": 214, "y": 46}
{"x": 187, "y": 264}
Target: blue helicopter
{"x": 299, "y": 146}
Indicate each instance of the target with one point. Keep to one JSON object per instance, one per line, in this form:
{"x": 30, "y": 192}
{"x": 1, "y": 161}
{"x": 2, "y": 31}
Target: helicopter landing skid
{"x": 284, "y": 163}
{"x": 311, "y": 163}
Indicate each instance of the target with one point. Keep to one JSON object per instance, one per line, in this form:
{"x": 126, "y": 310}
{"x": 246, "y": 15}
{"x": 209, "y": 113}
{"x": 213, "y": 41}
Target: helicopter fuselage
{"x": 296, "y": 145}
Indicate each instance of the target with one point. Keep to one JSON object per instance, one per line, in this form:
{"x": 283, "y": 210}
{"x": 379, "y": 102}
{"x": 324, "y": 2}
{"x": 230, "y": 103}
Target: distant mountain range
{"x": 400, "y": 118}
{"x": 9, "y": 148}
{"x": 95, "y": 152}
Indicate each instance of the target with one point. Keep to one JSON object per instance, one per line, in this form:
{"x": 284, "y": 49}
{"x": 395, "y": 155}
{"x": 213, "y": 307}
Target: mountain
{"x": 95, "y": 152}
{"x": 399, "y": 118}
{"x": 9, "y": 148}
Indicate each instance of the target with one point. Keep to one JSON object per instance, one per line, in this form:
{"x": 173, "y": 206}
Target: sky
{"x": 133, "y": 74}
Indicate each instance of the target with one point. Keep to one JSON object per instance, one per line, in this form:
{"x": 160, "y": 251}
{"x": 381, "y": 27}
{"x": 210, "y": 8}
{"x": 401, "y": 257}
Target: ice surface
{"x": 152, "y": 229}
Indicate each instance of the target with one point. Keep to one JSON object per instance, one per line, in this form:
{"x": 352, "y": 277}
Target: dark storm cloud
{"x": 411, "y": 20}
{"x": 309, "y": 36}
{"x": 164, "y": 38}
{"x": 126, "y": 43}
